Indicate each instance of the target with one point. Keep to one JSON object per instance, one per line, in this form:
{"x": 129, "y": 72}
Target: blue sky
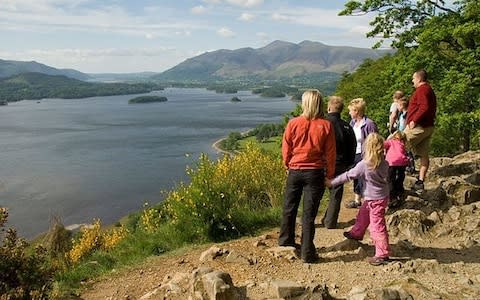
{"x": 119, "y": 36}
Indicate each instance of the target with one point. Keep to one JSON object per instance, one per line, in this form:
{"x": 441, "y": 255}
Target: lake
{"x": 100, "y": 157}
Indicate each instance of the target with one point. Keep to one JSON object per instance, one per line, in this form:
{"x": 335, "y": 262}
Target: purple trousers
{"x": 372, "y": 213}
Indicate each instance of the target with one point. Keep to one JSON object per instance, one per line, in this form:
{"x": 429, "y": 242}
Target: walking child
{"x": 373, "y": 168}
{"x": 397, "y": 158}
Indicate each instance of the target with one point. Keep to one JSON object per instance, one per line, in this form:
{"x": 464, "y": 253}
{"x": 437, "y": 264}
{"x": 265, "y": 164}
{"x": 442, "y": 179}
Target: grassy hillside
{"x": 38, "y": 86}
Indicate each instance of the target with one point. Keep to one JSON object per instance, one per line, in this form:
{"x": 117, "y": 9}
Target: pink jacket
{"x": 395, "y": 153}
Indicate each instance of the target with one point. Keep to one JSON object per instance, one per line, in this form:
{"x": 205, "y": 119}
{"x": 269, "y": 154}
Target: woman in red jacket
{"x": 308, "y": 151}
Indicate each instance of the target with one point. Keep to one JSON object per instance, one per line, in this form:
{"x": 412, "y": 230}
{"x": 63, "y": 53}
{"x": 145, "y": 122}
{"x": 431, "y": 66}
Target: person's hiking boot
{"x": 396, "y": 201}
{"x": 311, "y": 259}
{"x": 377, "y": 261}
{"x": 349, "y": 236}
{"x": 353, "y": 204}
{"x": 418, "y": 186}
{"x": 411, "y": 170}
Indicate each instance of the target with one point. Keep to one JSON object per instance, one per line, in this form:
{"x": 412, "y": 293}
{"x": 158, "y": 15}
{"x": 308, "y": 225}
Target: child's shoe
{"x": 377, "y": 261}
{"x": 350, "y": 237}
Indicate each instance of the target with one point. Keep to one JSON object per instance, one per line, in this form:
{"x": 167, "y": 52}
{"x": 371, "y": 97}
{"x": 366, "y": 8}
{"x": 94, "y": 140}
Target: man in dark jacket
{"x": 346, "y": 146}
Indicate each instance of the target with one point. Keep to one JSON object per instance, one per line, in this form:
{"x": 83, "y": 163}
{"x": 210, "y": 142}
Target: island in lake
{"x": 147, "y": 99}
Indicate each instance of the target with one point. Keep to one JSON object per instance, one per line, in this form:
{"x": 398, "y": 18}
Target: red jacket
{"x": 309, "y": 144}
{"x": 422, "y": 106}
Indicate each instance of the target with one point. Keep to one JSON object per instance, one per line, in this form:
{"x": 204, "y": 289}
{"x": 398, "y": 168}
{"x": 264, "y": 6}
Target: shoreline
{"x": 216, "y": 144}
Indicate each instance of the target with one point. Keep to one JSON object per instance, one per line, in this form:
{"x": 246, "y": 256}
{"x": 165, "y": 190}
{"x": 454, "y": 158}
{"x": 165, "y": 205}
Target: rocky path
{"x": 436, "y": 256}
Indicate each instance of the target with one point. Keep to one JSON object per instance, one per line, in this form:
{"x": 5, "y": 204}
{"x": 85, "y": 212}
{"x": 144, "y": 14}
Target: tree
{"x": 443, "y": 39}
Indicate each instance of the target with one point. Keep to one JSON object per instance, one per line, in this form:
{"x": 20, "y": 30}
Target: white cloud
{"x": 243, "y": 3}
{"x": 246, "y": 3}
{"x": 319, "y": 18}
{"x": 212, "y": 1}
{"x": 280, "y": 17}
{"x": 246, "y": 17}
{"x": 94, "y": 60}
{"x": 225, "y": 32}
{"x": 42, "y": 17}
{"x": 261, "y": 35}
{"x": 198, "y": 10}
{"x": 360, "y": 30}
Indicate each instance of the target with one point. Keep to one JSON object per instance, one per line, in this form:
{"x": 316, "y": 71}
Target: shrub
{"x": 93, "y": 238}
{"x": 25, "y": 273}
{"x": 244, "y": 189}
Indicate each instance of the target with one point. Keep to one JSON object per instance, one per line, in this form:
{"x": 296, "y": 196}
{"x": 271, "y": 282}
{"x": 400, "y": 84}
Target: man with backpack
{"x": 345, "y": 145}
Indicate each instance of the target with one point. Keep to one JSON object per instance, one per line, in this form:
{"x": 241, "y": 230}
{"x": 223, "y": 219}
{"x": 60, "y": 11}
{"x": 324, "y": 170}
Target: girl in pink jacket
{"x": 397, "y": 158}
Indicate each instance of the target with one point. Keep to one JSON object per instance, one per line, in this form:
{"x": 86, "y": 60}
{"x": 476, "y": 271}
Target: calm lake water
{"x": 100, "y": 157}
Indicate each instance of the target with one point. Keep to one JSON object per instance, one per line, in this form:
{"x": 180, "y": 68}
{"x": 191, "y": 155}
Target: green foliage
{"x": 231, "y": 142}
{"x": 228, "y": 198}
{"x": 147, "y": 99}
{"x": 398, "y": 20}
{"x": 263, "y": 132}
{"x": 442, "y": 39}
{"x": 38, "y": 86}
{"x": 24, "y": 272}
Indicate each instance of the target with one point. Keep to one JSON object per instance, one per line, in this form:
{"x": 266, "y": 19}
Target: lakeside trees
{"x": 38, "y": 86}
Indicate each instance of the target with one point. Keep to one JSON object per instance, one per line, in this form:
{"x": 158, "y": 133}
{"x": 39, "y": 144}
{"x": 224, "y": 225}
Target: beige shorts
{"x": 418, "y": 139}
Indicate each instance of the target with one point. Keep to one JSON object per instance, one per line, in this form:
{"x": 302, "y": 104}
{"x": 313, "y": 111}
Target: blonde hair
{"x": 335, "y": 103}
{"x": 359, "y": 105}
{"x": 399, "y": 136}
{"x": 398, "y": 95}
{"x": 374, "y": 150}
{"x": 312, "y": 104}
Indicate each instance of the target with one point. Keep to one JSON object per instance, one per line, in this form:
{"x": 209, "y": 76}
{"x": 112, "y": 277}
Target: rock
{"x": 408, "y": 223}
{"x": 285, "y": 289}
{"x": 435, "y": 217}
{"x": 234, "y": 257}
{"x": 357, "y": 293}
{"x": 391, "y": 293}
{"x": 214, "y": 285}
{"x": 259, "y": 243}
{"x": 283, "y": 252}
{"x": 212, "y": 253}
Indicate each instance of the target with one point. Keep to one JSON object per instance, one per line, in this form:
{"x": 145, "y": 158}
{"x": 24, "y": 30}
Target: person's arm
{"x": 351, "y": 174}
{"x": 393, "y": 117}
{"x": 330, "y": 149}
{"x": 286, "y": 146}
{"x": 422, "y": 106}
{"x": 386, "y": 145}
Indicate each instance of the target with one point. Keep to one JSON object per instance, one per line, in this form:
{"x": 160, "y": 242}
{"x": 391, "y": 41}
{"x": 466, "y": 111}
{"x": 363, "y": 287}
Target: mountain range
{"x": 10, "y": 68}
{"x": 278, "y": 59}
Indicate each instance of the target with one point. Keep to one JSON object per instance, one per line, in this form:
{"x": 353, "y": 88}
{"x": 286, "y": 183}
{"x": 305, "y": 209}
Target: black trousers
{"x": 330, "y": 219}
{"x": 358, "y": 183}
{"x": 311, "y": 184}
{"x": 397, "y": 176}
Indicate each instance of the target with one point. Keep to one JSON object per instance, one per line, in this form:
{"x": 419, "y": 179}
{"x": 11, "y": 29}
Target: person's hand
{"x": 411, "y": 124}
{"x": 328, "y": 183}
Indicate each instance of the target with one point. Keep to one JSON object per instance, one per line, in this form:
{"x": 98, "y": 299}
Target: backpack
{"x": 346, "y": 141}
{"x": 349, "y": 143}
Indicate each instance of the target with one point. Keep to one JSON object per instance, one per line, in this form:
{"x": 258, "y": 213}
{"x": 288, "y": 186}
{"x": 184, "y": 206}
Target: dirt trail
{"x": 433, "y": 264}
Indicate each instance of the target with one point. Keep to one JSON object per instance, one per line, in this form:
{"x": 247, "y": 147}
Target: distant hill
{"x": 12, "y": 67}
{"x": 279, "y": 59}
{"x": 121, "y": 77}
{"x": 38, "y": 86}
